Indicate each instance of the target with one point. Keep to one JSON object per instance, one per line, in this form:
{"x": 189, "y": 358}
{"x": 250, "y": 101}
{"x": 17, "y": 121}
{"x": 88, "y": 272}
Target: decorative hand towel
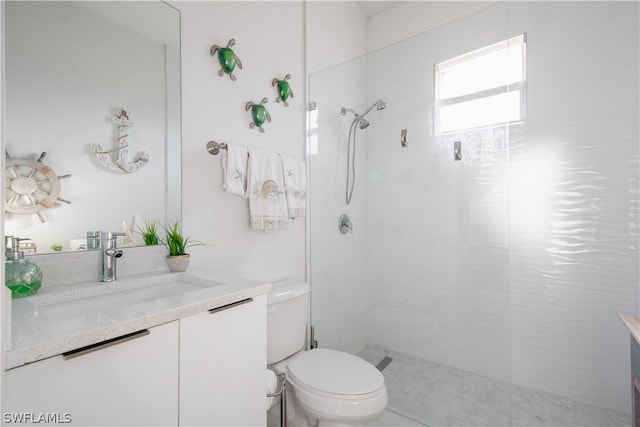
{"x": 267, "y": 201}
{"x": 234, "y": 170}
{"x": 295, "y": 184}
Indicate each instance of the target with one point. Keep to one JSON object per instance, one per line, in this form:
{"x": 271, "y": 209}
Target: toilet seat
{"x": 333, "y": 385}
{"x": 335, "y": 374}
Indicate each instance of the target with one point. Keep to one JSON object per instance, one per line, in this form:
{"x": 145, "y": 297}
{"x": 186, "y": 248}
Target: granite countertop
{"x": 633, "y": 325}
{"x": 70, "y": 317}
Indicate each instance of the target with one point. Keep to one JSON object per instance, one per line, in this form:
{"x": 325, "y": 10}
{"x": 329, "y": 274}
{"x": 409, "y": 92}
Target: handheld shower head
{"x": 363, "y": 123}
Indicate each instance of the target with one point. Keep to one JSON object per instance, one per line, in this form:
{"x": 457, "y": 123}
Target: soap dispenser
{"x": 21, "y": 275}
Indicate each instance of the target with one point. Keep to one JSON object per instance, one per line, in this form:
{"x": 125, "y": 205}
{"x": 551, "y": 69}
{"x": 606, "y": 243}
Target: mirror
{"x": 70, "y": 67}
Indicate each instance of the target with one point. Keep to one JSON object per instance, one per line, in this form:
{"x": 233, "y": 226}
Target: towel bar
{"x": 214, "y": 147}
{"x": 282, "y": 392}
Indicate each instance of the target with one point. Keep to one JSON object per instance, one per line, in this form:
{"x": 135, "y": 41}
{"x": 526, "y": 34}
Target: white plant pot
{"x": 178, "y": 263}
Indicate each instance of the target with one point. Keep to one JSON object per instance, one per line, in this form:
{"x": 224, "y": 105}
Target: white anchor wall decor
{"x": 121, "y": 163}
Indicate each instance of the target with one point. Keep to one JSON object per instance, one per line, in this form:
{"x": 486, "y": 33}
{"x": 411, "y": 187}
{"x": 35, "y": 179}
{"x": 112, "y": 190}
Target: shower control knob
{"x": 344, "y": 224}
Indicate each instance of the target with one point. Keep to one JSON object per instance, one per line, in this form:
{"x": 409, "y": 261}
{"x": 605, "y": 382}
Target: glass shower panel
{"x": 340, "y": 303}
{"x": 490, "y": 265}
{"x": 574, "y": 177}
{"x": 424, "y": 277}
{"x": 438, "y": 239}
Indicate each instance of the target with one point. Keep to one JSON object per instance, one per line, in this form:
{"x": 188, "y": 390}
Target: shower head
{"x": 364, "y": 123}
{"x": 380, "y": 104}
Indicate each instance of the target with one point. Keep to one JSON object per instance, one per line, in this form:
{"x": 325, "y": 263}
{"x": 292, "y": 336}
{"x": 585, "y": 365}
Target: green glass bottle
{"x": 23, "y": 277}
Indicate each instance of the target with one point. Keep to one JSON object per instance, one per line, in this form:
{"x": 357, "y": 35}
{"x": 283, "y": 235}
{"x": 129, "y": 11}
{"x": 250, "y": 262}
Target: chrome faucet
{"x": 110, "y": 251}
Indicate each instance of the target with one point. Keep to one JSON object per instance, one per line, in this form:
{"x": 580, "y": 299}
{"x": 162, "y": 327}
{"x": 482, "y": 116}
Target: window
{"x": 482, "y": 88}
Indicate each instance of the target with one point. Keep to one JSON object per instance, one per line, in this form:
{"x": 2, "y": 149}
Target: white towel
{"x": 272, "y": 385}
{"x": 267, "y": 201}
{"x": 295, "y": 184}
{"x": 234, "y": 169}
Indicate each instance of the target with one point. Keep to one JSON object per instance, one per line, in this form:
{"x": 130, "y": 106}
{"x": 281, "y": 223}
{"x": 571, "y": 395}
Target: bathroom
{"x": 478, "y": 253}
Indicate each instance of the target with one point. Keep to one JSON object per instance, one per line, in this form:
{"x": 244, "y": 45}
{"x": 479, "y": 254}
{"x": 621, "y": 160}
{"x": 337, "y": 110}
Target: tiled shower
{"x": 494, "y": 281}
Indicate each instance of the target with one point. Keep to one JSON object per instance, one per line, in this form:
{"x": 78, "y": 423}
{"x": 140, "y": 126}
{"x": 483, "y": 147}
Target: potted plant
{"x": 149, "y": 233}
{"x": 177, "y": 244}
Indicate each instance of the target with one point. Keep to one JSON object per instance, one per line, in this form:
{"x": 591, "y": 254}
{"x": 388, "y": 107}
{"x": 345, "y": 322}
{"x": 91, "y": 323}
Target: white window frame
{"x": 517, "y": 42}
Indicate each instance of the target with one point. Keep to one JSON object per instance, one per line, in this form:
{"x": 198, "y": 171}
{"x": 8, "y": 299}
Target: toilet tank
{"x": 287, "y": 313}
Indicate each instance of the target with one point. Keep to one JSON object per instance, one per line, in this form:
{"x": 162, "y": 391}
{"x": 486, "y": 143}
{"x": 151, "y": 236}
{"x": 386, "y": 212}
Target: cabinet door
{"x": 126, "y": 382}
{"x": 222, "y": 366}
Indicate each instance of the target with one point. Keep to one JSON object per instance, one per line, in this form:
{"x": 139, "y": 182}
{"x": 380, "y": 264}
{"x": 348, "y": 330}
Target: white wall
{"x": 410, "y": 18}
{"x": 515, "y": 262}
{"x": 270, "y": 43}
{"x": 336, "y": 32}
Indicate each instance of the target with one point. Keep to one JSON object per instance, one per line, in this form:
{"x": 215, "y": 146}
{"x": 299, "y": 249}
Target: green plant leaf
{"x": 175, "y": 242}
{"x": 149, "y": 233}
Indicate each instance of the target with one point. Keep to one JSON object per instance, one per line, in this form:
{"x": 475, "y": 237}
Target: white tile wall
{"x": 514, "y": 263}
{"x": 574, "y": 200}
{"x": 438, "y": 229}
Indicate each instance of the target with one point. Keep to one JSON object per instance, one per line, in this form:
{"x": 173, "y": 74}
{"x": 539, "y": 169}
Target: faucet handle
{"x": 109, "y": 235}
{"x": 109, "y": 239}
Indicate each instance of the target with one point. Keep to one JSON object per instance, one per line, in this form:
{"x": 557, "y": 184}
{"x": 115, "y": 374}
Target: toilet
{"x": 324, "y": 387}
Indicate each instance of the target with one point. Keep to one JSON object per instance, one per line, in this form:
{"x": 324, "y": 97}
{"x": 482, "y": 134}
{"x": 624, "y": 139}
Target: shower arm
{"x": 380, "y": 104}
{"x": 370, "y": 108}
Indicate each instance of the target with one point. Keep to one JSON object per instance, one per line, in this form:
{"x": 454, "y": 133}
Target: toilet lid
{"x": 335, "y": 372}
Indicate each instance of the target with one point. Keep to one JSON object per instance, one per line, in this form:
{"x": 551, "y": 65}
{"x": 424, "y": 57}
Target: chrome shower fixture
{"x": 360, "y": 121}
{"x": 344, "y": 111}
{"x": 380, "y": 104}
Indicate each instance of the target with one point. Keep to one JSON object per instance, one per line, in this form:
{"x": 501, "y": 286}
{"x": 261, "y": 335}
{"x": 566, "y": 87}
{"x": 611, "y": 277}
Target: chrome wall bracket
{"x": 313, "y": 343}
{"x": 457, "y": 151}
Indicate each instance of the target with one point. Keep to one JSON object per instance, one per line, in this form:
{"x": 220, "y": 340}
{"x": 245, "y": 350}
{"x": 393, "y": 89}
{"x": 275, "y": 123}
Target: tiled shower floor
{"x": 438, "y": 395}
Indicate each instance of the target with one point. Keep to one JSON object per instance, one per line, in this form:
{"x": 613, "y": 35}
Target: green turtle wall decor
{"x": 284, "y": 89}
{"x": 259, "y": 114}
{"x": 227, "y": 58}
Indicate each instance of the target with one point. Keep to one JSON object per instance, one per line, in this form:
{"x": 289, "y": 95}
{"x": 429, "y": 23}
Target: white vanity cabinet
{"x": 130, "y": 380}
{"x": 222, "y": 365}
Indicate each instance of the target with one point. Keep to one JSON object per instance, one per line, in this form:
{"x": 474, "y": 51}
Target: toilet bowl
{"x": 325, "y": 387}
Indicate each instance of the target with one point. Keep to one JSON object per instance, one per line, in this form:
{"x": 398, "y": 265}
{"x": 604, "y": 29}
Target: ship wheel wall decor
{"x": 31, "y": 186}
{"x": 121, "y": 163}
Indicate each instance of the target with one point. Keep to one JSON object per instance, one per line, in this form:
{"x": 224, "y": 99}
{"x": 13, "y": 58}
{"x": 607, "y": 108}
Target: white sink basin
{"x": 88, "y": 299}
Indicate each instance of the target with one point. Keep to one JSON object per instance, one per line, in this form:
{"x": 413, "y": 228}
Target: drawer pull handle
{"x": 233, "y": 304}
{"x": 104, "y": 344}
